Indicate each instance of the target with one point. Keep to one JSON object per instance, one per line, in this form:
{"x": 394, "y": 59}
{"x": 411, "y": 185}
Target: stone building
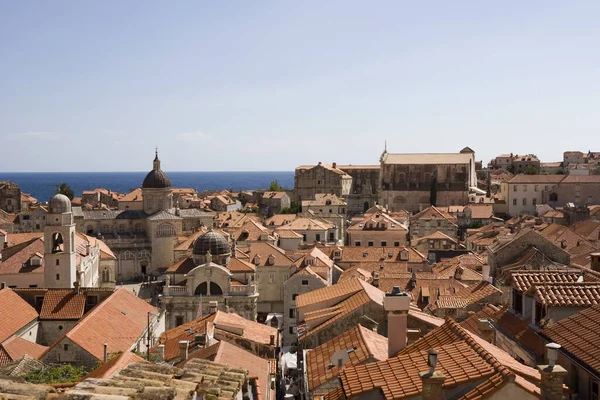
{"x": 143, "y": 239}
{"x": 406, "y": 179}
{"x": 10, "y": 197}
{"x": 523, "y": 193}
{"x": 377, "y": 229}
{"x": 274, "y": 202}
{"x": 364, "y": 192}
{"x": 227, "y": 284}
{"x": 321, "y": 178}
{"x": 574, "y": 189}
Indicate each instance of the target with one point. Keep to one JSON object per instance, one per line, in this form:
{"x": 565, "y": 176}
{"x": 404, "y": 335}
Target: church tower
{"x": 60, "y": 262}
{"x": 157, "y": 191}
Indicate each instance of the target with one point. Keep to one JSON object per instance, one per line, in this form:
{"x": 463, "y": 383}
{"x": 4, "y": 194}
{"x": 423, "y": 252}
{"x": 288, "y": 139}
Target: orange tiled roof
{"x": 365, "y": 343}
{"x": 63, "y": 304}
{"x": 432, "y": 212}
{"x": 16, "y": 347}
{"x": 381, "y": 254}
{"x": 578, "y": 335}
{"x": 398, "y": 377}
{"x": 571, "y": 294}
{"x": 119, "y": 321}
{"x": 114, "y": 365}
{"x": 235, "y": 357}
{"x": 523, "y": 280}
{"x": 15, "y": 313}
{"x": 339, "y": 292}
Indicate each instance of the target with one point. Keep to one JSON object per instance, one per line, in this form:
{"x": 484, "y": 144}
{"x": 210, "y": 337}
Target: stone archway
{"x": 202, "y": 289}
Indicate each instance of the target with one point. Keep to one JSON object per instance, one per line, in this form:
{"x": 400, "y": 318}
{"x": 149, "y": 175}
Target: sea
{"x": 42, "y": 185}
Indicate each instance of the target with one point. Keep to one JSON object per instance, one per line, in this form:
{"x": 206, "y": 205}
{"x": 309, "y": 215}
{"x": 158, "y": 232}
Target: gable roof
{"x": 63, "y": 304}
{"x": 365, "y": 345}
{"x": 15, "y": 313}
{"x": 523, "y": 280}
{"x": 118, "y": 321}
{"x": 16, "y": 347}
{"x": 570, "y": 294}
{"x": 115, "y": 365}
{"x": 578, "y": 335}
{"x": 435, "y": 213}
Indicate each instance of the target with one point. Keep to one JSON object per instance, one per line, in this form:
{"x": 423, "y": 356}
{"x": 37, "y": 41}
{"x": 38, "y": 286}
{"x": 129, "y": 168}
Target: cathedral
{"x": 143, "y": 240}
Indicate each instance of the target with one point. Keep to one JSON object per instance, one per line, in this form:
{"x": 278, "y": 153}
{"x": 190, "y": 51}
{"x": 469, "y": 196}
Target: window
{"x": 370, "y": 244}
{"x": 291, "y": 330}
{"x": 535, "y": 188}
{"x": 179, "y": 320}
{"x": 357, "y": 243}
{"x": 514, "y": 202}
{"x": 66, "y": 347}
{"x": 32, "y": 286}
{"x": 540, "y": 312}
{"x": 305, "y": 282}
{"x": 517, "y": 301}
{"x": 594, "y": 390}
{"x": 271, "y": 278}
{"x": 318, "y": 182}
{"x": 57, "y": 262}
{"x": 91, "y": 300}
{"x": 318, "y": 237}
{"x": 524, "y": 188}
{"x": 292, "y": 313}
{"x": 58, "y": 277}
{"x": 396, "y": 244}
{"x": 524, "y": 202}
{"x": 534, "y": 202}
{"x": 383, "y": 244}
{"x": 304, "y": 237}
{"x": 515, "y": 188}
{"x": 294, "y": 296}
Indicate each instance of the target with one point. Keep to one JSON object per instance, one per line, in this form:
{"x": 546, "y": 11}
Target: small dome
{"x": 213, "y": 242}
{"x": 60, "y": 204}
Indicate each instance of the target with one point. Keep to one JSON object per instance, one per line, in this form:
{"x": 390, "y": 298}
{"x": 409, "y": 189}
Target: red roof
{"x": 15, "y": 313}
{"x": 63, "y": 304}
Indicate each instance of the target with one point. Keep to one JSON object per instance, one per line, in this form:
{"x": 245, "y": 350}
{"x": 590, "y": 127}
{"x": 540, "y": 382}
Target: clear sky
{"x": 269, "y": 85}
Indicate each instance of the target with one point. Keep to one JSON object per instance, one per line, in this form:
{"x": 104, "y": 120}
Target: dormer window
{"x": 309, "y": 261}
{"x": 256, "y": 260}
{"x": 271, "y": 259}
{"x": 404, "y": 255}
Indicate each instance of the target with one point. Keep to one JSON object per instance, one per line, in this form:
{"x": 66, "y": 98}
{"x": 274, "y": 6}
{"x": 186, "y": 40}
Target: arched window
{"x": 201, "y": 289}
{"x": 57, "y": 242}
{"x": 553, "y": 197}
{"x": 165, "y": 230}
{"x": 144, "y": 255}
{"x": 127, "y": 255}
{"x": 105, "y": 275}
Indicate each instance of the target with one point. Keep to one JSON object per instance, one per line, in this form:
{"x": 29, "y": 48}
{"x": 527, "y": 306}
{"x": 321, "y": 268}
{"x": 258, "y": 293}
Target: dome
{"x": 213, "y": 242}
{"x": 60, "y": 204}
{"x": 156, "y": 179}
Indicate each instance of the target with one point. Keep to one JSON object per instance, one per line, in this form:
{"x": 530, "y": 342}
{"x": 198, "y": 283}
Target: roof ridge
{"x": 483, "y": 353}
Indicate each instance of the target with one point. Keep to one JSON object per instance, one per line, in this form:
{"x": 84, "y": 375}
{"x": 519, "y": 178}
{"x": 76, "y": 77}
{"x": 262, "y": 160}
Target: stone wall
{"x": 10, "y": 197}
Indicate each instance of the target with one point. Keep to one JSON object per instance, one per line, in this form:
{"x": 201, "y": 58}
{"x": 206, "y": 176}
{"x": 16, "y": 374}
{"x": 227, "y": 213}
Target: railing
{"x": 242, "y": 290}
{"x": 175, "y": 291}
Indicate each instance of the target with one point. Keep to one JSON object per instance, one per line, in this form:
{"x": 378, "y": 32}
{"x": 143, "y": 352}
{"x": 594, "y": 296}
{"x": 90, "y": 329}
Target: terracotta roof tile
{"x": 570, "y": 294}
{"x": 62, "y": 304}
{"x": 523, "y": 280}
{"x": 365, "y": 344}
{"x": 15, "y": 313}
{"x": 17, "y": 347}
{"x": 115, "y": 365}
{"x": 119, "y": 321}
{"x": 578, "y": 335}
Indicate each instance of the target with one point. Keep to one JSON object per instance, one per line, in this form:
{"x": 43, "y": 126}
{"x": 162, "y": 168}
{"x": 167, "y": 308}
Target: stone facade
{"x": 10, "y": 197}
{"x": 574, "y": 189}
{"x": 321, "y": 178}
{"x": 406, "y": 179}
{"x": 364, "y": 192}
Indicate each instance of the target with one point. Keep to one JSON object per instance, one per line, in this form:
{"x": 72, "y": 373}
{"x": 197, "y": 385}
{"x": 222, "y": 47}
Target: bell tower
{"x": 60, "y": 262}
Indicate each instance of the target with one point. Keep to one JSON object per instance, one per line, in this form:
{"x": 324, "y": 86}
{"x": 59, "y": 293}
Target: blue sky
{"x": 257, "y": 85}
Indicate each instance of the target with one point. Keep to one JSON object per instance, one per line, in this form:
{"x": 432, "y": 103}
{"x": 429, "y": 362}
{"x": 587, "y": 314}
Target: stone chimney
{"x": 396, "y": 304}
{"x": 486, "y": 330}
{"x": 595, "y": 261}
{"x": 212, "y": 307}
{"x": 183, "y": 349}
{"x": 552, "y": 375}
{"x": 375, "y": 278}
{"x": 485, "y": 270}
{"x": 458, "y": 272}
{"x": 432, "y": 381}
{"x": 160, "y": 351}
{"x": 334, "y": 165}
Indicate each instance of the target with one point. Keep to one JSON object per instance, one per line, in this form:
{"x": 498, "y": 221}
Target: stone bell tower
{"x": 60, "y": 262}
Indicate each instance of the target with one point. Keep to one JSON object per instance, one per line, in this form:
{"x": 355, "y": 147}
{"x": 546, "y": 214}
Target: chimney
{"x": 160, "y": 353}
{"x": 105, "y": 352}
{"x": 486, "y": 273}
{"x": 432, "y": 381}
{"x": 183, "y": 349}
{"x": 212, "y": 307}
{"x": 458, "y": 273}
{"x": 552, "y": 375}
{"x": 334, "y": 165}
{"x": 88, "y": 249}
{"x": 595, "y": 261}
{"x": 486, "y": 330}
{"x": 375, "y": 278}
{"x": 396, "y": 304}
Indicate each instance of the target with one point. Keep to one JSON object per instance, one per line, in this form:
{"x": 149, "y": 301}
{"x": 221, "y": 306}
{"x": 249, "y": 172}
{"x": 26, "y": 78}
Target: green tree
{"x": 531, "y": 170}
{"x": 63, "y": 188}
{"x": 56, "y": 374}
{"x": 433, "y": 192}
{"x": 276, "y": 187}
{"x": 294, "y": 208}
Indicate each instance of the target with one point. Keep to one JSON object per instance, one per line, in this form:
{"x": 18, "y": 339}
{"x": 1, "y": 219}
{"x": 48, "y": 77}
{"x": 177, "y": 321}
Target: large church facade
{"x": 144, "y": 240}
